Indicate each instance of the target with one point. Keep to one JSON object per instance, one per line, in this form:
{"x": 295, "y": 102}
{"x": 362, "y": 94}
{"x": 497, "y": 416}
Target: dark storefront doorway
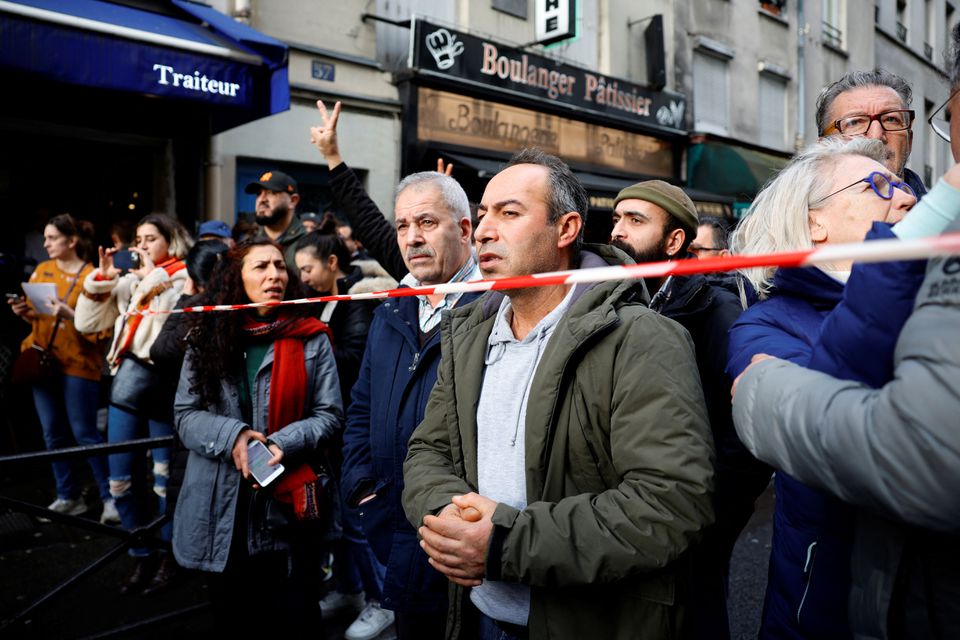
{"x": 105, "y": 182}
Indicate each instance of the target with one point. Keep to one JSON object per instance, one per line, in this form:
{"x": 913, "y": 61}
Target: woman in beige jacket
{"x": 137, "y": 406}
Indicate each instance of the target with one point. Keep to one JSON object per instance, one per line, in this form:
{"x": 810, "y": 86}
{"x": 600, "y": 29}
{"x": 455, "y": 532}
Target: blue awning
{"x": 197, "y": 55}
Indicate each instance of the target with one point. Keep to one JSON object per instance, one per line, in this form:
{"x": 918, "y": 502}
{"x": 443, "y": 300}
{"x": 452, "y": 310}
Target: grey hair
{"x": 566, "y": 191}
{"x": 855, "y": 80}
{"x": 452, "y": 194}
{"x": 779, "y": 218}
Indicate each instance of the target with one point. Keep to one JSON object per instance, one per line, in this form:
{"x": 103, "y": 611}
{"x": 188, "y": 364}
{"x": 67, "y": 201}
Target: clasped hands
{"x": 456, "y": 539}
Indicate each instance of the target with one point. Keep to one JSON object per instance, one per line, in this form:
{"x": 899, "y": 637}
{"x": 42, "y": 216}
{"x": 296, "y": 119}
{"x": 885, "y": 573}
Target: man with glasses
{"x": 873, "y": 104}
{"x": 713, "y": 238}
{"x": 941, "y": 121}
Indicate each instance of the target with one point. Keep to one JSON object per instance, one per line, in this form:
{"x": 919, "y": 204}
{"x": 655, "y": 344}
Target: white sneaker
{"x": 371, "y": 621}
{"x": 68, "y": 507}
{"x": 336, "y": 603}
{"x": 110, "y": 514}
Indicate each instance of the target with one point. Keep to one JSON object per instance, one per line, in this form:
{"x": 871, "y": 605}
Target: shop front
{"x": 730, "y": 170}
{"x": 110, "y": 107}
{"x": 474, "y": 102}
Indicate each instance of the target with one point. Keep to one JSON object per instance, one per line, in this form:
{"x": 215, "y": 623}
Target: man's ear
{"x": 568, "y": 228}
{"x": 294, "y": 199}
{"x": 675, "y": 240}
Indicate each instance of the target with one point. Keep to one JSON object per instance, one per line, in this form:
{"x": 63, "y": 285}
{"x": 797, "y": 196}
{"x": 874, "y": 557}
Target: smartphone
{"x": 257, "y": 456}
{"x": 126, "y": 260}
{"x": 14, "y": 296}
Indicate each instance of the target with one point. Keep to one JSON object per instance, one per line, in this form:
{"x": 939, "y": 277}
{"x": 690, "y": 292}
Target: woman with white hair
{"x": 893, "y": 451}
{"x": 834, "y": 192}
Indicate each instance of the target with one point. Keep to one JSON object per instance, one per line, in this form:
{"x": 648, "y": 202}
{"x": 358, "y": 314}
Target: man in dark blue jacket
{"x": 428, "y": 244}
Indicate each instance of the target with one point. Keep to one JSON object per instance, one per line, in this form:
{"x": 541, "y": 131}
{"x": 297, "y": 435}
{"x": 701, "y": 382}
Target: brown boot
{"x": 167, "y": 574}
{"x": 143, "y": 570}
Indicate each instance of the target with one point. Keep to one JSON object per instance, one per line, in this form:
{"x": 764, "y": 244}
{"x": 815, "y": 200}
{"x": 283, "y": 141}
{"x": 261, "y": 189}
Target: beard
{"x": 656, "y": 253}
{"x": 277, "y": 214}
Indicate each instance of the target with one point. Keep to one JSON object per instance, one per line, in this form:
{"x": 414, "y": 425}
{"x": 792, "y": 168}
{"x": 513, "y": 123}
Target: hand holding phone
{"x": 19, "y": 306}
{"x": 126, "y": 259}
{"x": 258, "y": 455}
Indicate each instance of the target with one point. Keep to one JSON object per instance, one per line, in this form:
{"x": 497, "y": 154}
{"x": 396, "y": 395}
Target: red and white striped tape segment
{"x": 875, "y": 251}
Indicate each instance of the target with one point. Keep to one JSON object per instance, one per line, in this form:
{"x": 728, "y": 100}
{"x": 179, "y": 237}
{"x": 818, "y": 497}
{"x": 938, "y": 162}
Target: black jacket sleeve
{"x": 368, "y": 223}
{"x": 168, "y": 349}
{"x": 350, "y": 325}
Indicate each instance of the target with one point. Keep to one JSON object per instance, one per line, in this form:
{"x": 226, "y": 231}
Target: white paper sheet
{"x": 40, "y": 295}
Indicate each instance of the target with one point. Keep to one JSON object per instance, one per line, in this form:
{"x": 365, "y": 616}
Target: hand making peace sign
{"x": 324, "y": 137}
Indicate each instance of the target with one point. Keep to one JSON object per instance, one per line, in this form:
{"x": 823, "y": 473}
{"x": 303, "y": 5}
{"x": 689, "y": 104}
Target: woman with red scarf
{"x": 267, "y": 374}
{"x": 138, "y": 405}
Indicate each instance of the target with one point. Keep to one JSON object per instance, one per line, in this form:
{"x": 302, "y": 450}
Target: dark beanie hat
{"x": 663, "y": 194}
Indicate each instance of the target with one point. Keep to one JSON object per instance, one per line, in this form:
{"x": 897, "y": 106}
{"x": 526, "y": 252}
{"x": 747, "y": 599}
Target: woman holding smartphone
{"x": 138, "y": 406}
{"x": 266, "y": 375}
{"x": 67, "y": 406}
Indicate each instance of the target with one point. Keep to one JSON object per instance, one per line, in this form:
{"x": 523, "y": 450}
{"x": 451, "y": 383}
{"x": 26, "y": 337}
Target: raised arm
{"x": 893, "y": 450}
{"x": 368, "y": 223}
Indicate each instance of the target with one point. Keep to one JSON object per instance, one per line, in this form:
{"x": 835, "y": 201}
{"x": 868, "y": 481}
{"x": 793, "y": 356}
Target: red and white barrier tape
{"x": 875, "y": 251}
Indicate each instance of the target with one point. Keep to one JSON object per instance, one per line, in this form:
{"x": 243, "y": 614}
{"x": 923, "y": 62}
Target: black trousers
{"x": 271, "y": 593}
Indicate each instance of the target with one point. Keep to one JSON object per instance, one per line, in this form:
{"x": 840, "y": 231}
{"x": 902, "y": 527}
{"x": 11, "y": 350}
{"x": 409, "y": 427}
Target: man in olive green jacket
{"x": 616, "y": 459}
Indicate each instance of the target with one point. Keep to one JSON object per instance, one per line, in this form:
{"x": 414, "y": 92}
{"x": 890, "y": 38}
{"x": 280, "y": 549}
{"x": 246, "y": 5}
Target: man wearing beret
{"x": 276, "y": 212}
{"x": 655, "y": 221}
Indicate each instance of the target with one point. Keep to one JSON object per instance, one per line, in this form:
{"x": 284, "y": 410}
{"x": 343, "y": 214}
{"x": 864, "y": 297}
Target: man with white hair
{"x": 431, "y": 244}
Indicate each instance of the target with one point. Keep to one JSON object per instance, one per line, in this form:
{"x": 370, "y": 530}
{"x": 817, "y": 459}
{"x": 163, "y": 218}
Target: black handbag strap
{"x": 56, "y": 325}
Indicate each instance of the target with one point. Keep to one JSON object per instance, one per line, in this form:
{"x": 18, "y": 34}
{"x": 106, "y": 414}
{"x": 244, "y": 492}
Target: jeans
{"x": 68, "y": 414}
{"x": 489, "y": 630}
{"x": 356, "y": 567}
{"x": 128, "y": 473}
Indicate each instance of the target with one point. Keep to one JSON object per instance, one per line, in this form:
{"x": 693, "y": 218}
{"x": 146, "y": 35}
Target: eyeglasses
{"x": 879, "y": 182}
{"x": 695, "y": 248}
{"x": 940, "y": 119}
{"x": 899, "y": 120}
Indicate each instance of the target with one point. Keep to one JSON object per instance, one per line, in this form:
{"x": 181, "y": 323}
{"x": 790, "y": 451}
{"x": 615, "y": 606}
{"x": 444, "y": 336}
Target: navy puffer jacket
{"x": 388, "y": 402}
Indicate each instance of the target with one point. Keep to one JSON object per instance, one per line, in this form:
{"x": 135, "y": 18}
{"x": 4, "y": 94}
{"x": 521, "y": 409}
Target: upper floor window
{"x": 833, "y": 15}
{"x": 903, "y": 17}
{"x": 711, "y": 94}
{"x": 772, "y": 111}
{"x": 776, "y": 7}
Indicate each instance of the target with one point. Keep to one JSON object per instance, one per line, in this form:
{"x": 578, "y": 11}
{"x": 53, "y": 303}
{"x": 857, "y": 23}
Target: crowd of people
{"x": 561, "y": 461}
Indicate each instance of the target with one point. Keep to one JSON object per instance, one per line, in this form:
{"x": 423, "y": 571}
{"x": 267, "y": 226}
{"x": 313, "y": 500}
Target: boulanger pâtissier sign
{"x": 472, "y": 60}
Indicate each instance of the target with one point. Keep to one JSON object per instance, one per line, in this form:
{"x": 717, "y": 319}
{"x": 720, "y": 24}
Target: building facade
{"x": 726, "y": 92}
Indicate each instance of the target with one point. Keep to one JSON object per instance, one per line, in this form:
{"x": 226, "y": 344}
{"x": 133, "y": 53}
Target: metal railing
{"x": 832, "y": 35}
{"x": 902, "y": 32}
{"x": 140, "y": 537}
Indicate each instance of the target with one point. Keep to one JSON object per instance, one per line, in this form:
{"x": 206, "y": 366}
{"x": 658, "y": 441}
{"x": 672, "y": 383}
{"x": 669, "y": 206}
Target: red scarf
{"x": 288, "y": 392}
{"x": 171, "y": 266}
